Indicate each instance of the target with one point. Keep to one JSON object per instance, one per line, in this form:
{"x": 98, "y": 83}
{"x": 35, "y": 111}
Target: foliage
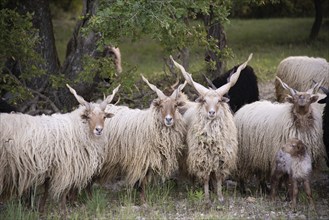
{"x": 19, "y": 62}
{"x": 275, "y": 8}
{"x": 173, "y": 24}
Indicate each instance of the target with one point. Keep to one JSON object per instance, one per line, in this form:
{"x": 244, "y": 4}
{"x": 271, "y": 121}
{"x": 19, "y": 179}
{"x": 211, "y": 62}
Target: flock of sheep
{"x": 216, "y": 136}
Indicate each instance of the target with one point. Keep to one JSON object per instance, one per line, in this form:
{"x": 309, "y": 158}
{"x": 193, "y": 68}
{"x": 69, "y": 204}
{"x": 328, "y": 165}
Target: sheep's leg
{"x": 63, "y": 204}
{"x": 308, "y": 192}
{"x": 290, "y": 188}
{"x": 274, "y": 185}
{"x": 242, "y": 187}
{"x": 89, "y": 189}
{"x": 206, "y": 190}
{"x": 142, "y": 191}
{"x": 44, "y": 197}
{"x": 218, "y": 188}
{"x": 276, "y": 179}
{"x": 294, "y": 194}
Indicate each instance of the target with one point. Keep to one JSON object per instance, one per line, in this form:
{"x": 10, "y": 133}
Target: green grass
{"x": 168, "y": 201}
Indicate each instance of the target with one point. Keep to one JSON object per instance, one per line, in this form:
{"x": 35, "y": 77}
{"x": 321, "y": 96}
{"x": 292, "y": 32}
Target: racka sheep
{"x": 245, "y": 90}
{"x": 211, "y": 134}
{"x": 59, "y": 150}
{"x": 325, "y": 120}
{"x": 294, "y": 161}
{"x": 299, "y": 72}
{"x": 264, "y": 126}
{"x": 143, "y": 144}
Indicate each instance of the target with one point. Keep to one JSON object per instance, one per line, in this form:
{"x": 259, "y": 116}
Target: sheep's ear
{"x": 314, "y": 98}
{"x": 225, "y": 99}
{"x": 200, "y": 100}
{"x": 289, "y": 99}
{"x": 157, "y": 102}
{"x": 322, "y": 101}
{"x": 108, "y": 115}
{"x": 84, "y": 116}
{"x": 180, "y": 104}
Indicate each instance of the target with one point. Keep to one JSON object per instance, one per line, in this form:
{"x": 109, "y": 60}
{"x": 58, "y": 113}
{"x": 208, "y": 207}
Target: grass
{"x": 171, "y": 201}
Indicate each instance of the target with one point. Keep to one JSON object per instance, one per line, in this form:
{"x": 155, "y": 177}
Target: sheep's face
{"x": 95, "y": 119}
{"x": 302, "y": 102}
{"x": 294, "y": 147}
{"x": 167, "y": 107}
{"x": 210, "y": 103}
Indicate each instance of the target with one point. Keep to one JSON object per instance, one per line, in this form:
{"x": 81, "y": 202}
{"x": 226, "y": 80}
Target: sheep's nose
{"x": 169, "y": 119}
{"x": 99, "y": 129}
{"x": 211, "y": 113}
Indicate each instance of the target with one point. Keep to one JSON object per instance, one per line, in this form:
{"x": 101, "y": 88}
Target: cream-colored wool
{"x": 60, "y": 147}
{"x": 299, "y": 72}
{"x": 140, "y": 143}
{"x": 212, "y": 144}
{"x": 263, "y": 127}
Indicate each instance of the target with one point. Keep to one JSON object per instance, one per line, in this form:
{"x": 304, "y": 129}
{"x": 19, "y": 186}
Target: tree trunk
{"x": 318, "y": 20}
{"x": 78, "y": 47}
{"x": 216, "y": 31}
{"x": 46, "y": 47}
{"x": 42, "y": 22}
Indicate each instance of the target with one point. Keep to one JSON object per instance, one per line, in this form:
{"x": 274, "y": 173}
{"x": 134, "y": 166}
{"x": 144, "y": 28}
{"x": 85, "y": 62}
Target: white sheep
{"x": 211, "y": 133}
{"x": 263, "y": 127}
{"x": 299, "y": 72}
{"x": 60, "y": 150}
{"x": 144, "y": 143}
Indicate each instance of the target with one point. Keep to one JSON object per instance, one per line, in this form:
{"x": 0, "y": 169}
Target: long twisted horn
{"x": 154, "y": 88}
{"x": 109, "y": 98}
{"x": 209, "y": 82}
{"x": 188, "y": 77}
{"x": 79, "y": 98}
{"x": 315, "y": 88}
{"x": 175, "y": 94}
{"x": 233, "y": 79}
{"x": 285, "y": 86}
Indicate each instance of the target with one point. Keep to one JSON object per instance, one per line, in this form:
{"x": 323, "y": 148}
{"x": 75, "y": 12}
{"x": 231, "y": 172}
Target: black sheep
{"x": 244, "y": 91}
{"x": 325, "y": 121}
{"x": 5, "y": 107}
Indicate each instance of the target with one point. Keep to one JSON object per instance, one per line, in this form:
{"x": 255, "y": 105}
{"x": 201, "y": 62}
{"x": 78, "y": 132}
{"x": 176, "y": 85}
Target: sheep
{"x": 325, "y": 119}
{"x": 211, "y": 134}
{"x": 61, "y": 150}
{"x": 144, "y": 144}
{"x": 264, "y": 126}
{"x": 298, "y": 72}
{"x": 244, "y": 91}
{"x": 294, "y": 161}
{"x": 6, "y": 107}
